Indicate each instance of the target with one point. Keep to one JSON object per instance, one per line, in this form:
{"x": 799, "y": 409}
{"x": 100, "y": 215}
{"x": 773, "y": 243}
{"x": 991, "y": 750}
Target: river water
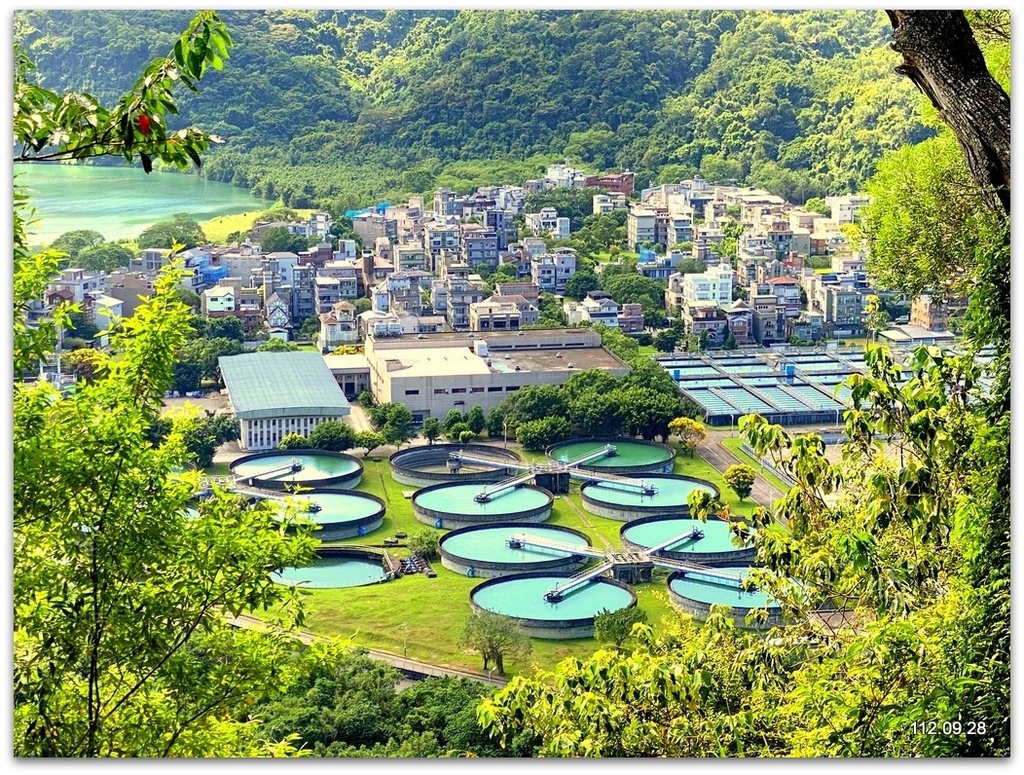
{"x": 121, "y": 202}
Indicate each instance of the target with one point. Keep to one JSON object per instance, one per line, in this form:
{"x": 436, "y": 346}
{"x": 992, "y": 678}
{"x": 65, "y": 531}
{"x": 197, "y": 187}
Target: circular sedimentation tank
{"x": 455, "y": 505}
{"x": 340, "y": 514}
{"x": 336, "y": 567}
{"x": 631, "y": 456}
{"x": 484, "y": 551}
{"x": 626, "y": 502}
{"x": 426, "y": 466}
{"x": 696, "y": 592}
{"x": 713, "y": 545}
{"x": 308, "y": 468}
{"x": 522, "y": 597}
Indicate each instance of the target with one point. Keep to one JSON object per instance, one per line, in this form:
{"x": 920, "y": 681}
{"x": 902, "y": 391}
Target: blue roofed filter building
{"x": 274, "y": 394}
{"x": 798, "y": 388}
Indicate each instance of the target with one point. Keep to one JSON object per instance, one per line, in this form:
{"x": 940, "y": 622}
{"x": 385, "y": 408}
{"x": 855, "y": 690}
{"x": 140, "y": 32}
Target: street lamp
{"x": 504, "y": 430}
{"x": 405, "y": 639}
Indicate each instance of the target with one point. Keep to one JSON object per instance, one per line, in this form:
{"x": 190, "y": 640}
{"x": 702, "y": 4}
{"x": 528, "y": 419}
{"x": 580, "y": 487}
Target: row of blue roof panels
{"x": 691, "y": 384}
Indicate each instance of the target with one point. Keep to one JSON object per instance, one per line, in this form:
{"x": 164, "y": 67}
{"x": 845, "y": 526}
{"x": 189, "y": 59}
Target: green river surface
{"x": 121, "y": 202}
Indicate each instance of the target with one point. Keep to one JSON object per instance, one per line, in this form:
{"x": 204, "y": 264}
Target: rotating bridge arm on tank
{"x": 254, "y": 492}
{"x": 624, "y": 481}
{"x": 693, "y": 535}
{"x": 693, "y": 569}
{"x": 462, "y": 457}
{"x": 291, "y": 468}
{"x": 520, "y": 540}
{"x": 559, "y": 591}
{"x": 489, "y": 492}
{"x": 608, "y": 450}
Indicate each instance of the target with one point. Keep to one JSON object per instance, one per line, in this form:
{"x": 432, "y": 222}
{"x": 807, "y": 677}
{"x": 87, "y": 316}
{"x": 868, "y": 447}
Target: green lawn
{"x": 423, "y": 617}
{"x": 218, "y": 229}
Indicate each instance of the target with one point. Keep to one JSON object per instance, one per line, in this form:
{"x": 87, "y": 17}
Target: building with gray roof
{"x": 277, "y": 393}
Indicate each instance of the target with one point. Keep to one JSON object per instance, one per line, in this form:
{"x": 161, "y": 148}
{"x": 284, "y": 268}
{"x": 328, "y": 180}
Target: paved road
{"x": 711, "y": 450}
{"x": 358, "y": 418}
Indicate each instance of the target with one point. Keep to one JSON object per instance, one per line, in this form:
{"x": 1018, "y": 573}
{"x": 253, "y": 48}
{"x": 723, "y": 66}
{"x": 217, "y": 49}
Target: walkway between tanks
{"x": 712, "y": 450}
{"x": 401, "y": 663}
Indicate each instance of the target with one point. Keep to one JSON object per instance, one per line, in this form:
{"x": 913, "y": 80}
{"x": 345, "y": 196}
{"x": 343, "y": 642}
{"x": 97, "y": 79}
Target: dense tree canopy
{"x": 340, "y": 108}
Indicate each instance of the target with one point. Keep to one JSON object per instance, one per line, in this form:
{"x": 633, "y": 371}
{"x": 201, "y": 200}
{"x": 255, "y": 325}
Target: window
{"x": 476, "y": 390}
{"x": 511, "y": 388}
{"x": 494, "y": 390}
{"x": 458, "y": 390}
{"x": 413, "y": 392}
{"x": 439, "y": 391}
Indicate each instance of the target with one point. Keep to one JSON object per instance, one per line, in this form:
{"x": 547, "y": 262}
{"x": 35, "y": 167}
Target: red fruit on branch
{"x": 143, "y": 123}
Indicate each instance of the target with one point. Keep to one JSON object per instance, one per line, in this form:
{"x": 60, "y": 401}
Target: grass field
{"x": 218, "y": 229}
{"x": 423, "y": 617}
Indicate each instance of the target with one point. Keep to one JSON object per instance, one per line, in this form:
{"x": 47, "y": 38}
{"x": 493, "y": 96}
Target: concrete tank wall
{"x": 403, "y": 465}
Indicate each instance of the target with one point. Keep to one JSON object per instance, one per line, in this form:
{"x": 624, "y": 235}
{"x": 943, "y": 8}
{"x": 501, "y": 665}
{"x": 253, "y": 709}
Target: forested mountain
{"x": 340, "y": 107}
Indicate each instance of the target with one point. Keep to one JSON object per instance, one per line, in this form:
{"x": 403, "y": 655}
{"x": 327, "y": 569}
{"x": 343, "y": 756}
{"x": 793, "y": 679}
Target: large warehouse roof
{"x": 290, "y": 384}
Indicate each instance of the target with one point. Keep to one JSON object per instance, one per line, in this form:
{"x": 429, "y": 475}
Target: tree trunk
{"x": 942, "y": 57}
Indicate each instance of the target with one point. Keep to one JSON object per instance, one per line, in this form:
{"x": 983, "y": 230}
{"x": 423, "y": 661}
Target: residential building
{"x": 849, "y": 262}
{"x": 740, "y": 318}
{"x": 706, "y": 316}
{"x": 547, "y": 222}
{"x": 843, "y": 309}
{"x": 302, "y": 294}
{"x": 218, "y": 300}
{"x": 410, "y": 256}
{"x": 438, "y": 236}
{"x": 349, "y": 276}
{"x": 631, "y": 319}
{"x": 504, "y": 226}
{"x": 846, "y": 209}
{"x": 808, "y": 327}
{"x": 788, "y": 291}
{"x": 337, "y": 327}
{"x": 328, "y": 293}
{"x": 278, "y": 320}
{"x": 107, "y": 310}
{"x": 597, "y": 307}
{"x": 641, "y": 226}
{"x": 617, "y": 182}
{"x": 461, "y": 294}
{"x": 933, "y": 314}
{"x": 562, "y": 175}
{"x": 502, "y": 313}
{"x": 550, "y": 272}
{"x": 769, "y": 319}
{"x": 129, "y": 288}
{"x": 529, "y": 291}
{"x": 606, "y": 203}
{"x": 78, "y": 282}
{"x": 371, "y": 226}
{"x": 479, "y": 246}
{"x": 154, "y": 259}
{"x": 714, "y": 284}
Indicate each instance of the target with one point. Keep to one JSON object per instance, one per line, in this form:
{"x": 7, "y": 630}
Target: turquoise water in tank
{"x": 524, "y": 599}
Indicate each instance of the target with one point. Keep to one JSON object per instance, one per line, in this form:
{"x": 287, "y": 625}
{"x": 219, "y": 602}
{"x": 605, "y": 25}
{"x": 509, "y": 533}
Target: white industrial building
{"x": 277, "y": 393}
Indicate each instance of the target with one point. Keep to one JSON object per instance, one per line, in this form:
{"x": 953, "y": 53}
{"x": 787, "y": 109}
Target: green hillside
{"x": 337, "y": 108}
